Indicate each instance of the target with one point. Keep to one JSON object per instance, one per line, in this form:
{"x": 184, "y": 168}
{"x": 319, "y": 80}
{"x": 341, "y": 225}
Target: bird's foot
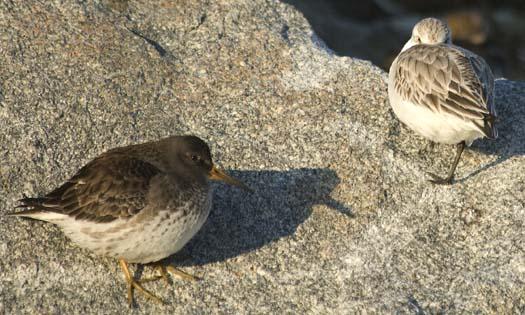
{"x": 439, "y": 180}
{"x": 132, "y": 284}
{"x": 180, "y": 274}
{"x": 164, "y": 270}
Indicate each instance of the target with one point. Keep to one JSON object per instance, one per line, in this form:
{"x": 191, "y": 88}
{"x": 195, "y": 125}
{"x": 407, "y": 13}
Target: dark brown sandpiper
{"x": 139, "y": 203}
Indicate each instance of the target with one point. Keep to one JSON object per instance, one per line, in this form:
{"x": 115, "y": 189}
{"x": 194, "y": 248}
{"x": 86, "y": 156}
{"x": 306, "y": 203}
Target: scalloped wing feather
{"x": 109, "y": 187}
{"x": 448, "y": 79}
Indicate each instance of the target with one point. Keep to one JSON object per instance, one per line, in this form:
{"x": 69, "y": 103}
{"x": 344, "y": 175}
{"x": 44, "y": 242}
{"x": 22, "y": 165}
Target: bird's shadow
{"x": 510, "y": 108}
{"x": 241, "y": 222}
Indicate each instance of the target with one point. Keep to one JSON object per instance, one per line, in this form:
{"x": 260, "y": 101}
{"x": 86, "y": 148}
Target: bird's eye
{"x": 417, "y": 39}
{"x": 195, "y": 158}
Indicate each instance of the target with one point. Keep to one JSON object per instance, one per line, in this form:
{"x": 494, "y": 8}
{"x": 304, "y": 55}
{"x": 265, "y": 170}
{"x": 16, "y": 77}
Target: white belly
{"x": 140, "y": 239}
{"x": 437, "y": 127}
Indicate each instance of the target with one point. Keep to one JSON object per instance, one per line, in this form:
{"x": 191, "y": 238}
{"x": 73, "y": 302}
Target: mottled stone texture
{"x": 342, "y": 220}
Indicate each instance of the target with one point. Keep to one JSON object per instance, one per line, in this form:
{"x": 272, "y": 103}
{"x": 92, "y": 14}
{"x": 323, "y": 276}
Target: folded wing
{"x": 111, "y": 186}
{"x": 448, "y": 79}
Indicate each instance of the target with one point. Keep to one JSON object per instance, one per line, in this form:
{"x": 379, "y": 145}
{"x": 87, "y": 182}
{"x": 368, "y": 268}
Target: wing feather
{"x": 111, "y": 186}
{"x": 448, "y": 79}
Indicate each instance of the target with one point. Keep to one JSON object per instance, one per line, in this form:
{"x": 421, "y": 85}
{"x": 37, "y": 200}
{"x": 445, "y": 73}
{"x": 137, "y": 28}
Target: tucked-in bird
{"x": 442, "y": 91}
{"x": 139, "y": 203}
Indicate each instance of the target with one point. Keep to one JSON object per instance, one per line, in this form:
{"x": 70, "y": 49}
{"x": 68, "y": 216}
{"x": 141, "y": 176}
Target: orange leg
{"x": 132, "y": 284}
{"x": 164, "y": 270}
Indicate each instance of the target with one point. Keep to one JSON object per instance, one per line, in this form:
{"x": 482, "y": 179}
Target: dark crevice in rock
{"x": 202, "y": 19}
{"x": 284, "y": 32}
{"x": 414, "y": 305}
{"x": 162, "y": 52}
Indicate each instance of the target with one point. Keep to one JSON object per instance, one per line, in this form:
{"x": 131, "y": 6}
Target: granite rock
{"x": 343, "y": 219}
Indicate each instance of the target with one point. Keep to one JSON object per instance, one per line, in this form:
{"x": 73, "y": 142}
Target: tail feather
{"x": 31, "y": 213}
{"x": 34, "y": 208}
{"x": 31, "y": 202}
{"x": 487, "y": 126}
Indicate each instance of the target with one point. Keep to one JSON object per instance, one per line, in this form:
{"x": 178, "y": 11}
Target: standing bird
{"x": 442, "y": 91}
{"x": 139, "y": 203}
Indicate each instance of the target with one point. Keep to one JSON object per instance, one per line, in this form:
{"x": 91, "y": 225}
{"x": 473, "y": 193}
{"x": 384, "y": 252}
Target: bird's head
{"x": 196, "y": 159}
{"x": 430, "y": 31}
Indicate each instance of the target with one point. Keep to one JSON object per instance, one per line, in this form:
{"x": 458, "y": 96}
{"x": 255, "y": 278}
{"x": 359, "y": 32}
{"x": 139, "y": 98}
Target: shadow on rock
{"x": 241, "y": 222}
{"x": 510, "y": 107}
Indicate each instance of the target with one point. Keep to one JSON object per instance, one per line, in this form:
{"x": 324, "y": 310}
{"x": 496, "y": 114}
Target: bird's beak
{"x": 217, "y": 174}
{"x": 408, "y": 44}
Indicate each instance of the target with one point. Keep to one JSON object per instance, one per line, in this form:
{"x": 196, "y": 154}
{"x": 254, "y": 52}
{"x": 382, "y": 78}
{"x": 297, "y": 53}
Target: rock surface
{"x": 342, "y": 221}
